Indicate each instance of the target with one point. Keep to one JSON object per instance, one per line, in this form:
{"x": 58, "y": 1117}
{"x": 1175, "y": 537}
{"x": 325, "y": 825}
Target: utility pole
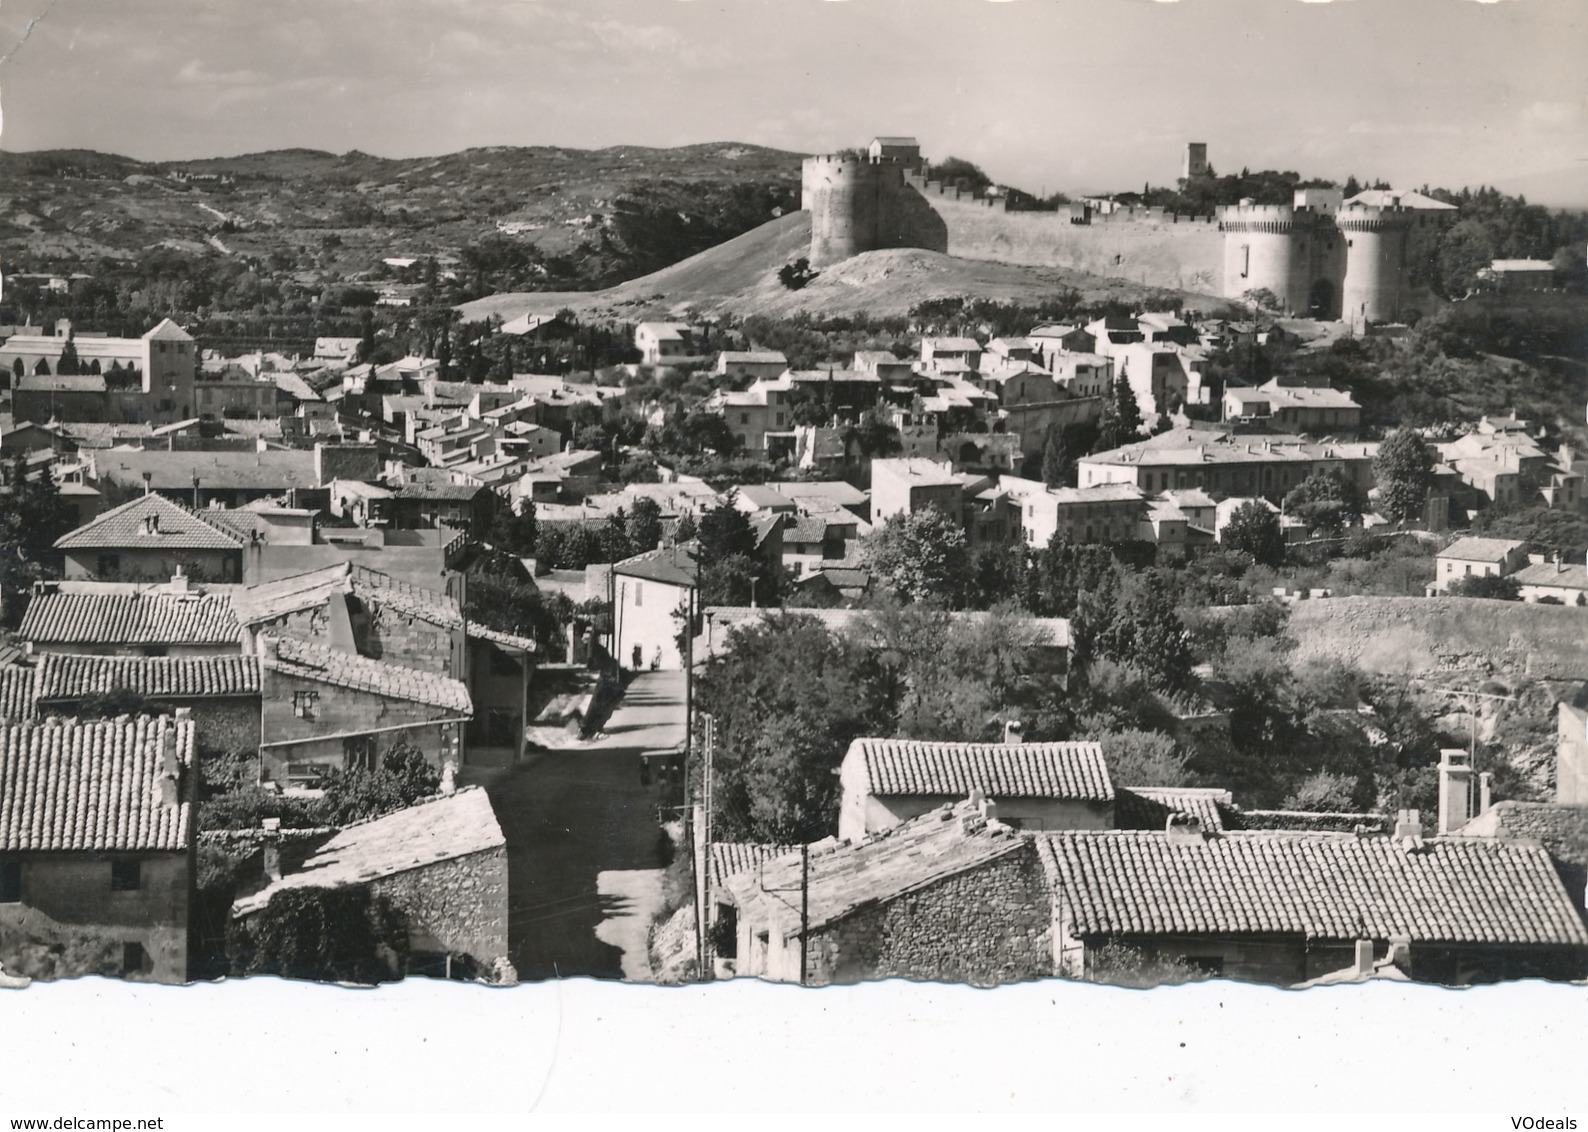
{"x": 689, "y": 747}
{"x": 805, "y": 913}
{"x": 708, "y": 725}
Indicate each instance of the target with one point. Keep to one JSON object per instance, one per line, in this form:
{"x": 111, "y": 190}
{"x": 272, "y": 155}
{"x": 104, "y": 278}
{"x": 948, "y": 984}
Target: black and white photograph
{"x": 1054, "y": 497}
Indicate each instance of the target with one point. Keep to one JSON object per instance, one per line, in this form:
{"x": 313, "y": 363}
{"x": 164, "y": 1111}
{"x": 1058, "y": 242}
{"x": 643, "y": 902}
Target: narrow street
{"x": 585, "y": 849}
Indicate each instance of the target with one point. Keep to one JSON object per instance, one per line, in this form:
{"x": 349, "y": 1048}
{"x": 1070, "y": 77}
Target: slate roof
{"x": 1319, "y": 886}
{"x": 16, "y": 692}
{"x": 360, "y": 673}
{"x": 176, "y": 528}
{"x": 70, "y": 677}
{"x": 68, "y": 785}
{"x": 1474, "y": 549}
{"x": 140, "y": 618}
{"x": 944, "y": 842}
{"x": 1074, "y": 771}
{"x": 439, "y": 829}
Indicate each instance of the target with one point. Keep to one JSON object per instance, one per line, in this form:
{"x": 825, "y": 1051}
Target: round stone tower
{"x": 1376, "y": 239}
{"x": 1261, "y": 252}
{"x": 853, "y": 205}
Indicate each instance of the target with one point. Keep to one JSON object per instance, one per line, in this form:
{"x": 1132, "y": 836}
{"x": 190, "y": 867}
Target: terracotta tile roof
{"x": 1320, "y": 886}
{"x": 1475, "y": 549}
{"x": 270, "y": 470}
{"x": 439, "y": 829}
{"x": 730, "y": 858}
{"x": 16, "y": 692}
{"x": 71, "y": 677}
{"x": 349, "y": 670}
{"x": 68, "y": 785}
{"x": 1149, "y": 807}
{"x": 941, "y": 843}
{"x": 497, "y": 637}
{"x": 674, "y": 565}
{"x": 142, "y": 618}
{"x": 174, "y": 527}
{"x": 1003, "y": 770}
{"x": 271, "y": 600}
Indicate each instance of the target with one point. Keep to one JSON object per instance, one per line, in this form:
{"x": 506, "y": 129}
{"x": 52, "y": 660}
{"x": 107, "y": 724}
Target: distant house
{"x": 650, "y": 590}
{"x": 1319, "y": 412}
{"x": 151, "y": 539}
{"x": 1521, "y": 274}
{"x": 750, "y": 363}
{"x": 906, "y": 486}
{"x": 441, "y": 863}
{"x": 954, "y": 895}
{"x": 902, "y": 149}
{"x": 663, "y": 342}
{"x": 1288, "y": 907}
{"x": 97, "y": 843}
{"x": 1037, "y": 785}
{"x": 1553, "y": 578}
{"x": 425, "y": 503}
{"x": 1473, "y": 557}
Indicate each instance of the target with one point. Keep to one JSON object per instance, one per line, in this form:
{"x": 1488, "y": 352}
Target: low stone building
{"x": 323, "y": 709}
{"x": 1473, "y": 557}
{"x": 1289, "y": 907}
{"x": 151, "y": 539}
{"x": 96, "y": 847}
{"x": 442, "y": 863}
{"x": 954, "y": 895}
{"x": 219, "y": 693}
{"x": 1038, "y": 785}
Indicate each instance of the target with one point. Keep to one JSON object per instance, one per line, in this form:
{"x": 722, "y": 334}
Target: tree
{"x": 875, "y": 436}
{"x": 500, "y": 601}
{"x": 797, "y": 274}
{"x": 1144, "y": 758}
{"x": 731, "y": 572}
{"x": 346, "y": 935}
{"x": 1127, "y": 411}
{"x": 516, "y": 532}
{"x": 1147, "y": 632}
{"x": 1054, "y": 463}
{"x": 32, "y": 517}
{"x": 1404, "y": 468}
{"x": 1254, "y": 530}
{"x": 68, "y": 363}
{"x": 919, "y": 556}
{"x": 1463, "y": 254}
{"x": 1486, "y": 585}
{"x": 1327, "y": 502}
{"x": 404, "y": 777}
{"x": 787, "y": 702}
{"x": 645, "y": 524}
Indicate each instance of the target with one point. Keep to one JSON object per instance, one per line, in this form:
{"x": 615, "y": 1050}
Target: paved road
{"x": 584, "y": 851}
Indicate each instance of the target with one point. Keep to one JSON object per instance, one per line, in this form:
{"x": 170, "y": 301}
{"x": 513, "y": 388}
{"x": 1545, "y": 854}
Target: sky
{"x": 1078, "y": 95}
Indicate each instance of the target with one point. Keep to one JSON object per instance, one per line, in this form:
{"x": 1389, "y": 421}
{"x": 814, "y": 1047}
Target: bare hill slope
{"x": 740, "y": 276}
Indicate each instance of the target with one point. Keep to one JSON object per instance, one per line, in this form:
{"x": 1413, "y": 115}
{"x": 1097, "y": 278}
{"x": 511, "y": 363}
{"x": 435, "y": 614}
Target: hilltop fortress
{"x": 1359, "y": 260}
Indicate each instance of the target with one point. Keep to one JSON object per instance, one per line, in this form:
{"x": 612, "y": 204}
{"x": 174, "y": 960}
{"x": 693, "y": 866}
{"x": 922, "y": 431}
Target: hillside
{"x": 740, "y": 276}
{"x": 341, "y": 214}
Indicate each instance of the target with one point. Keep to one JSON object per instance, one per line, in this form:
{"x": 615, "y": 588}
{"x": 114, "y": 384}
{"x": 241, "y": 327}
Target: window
{"x": 306, "y": 705}
{"x": 10, "y": 882}
{"x": 107, "y": 566}
{"x": 359, "y": 751}
{"x": 744, "y": 418}
{"x": 126, "y": 876}
{"x": 639, "y": 594}
{"x": 134, "y": 959}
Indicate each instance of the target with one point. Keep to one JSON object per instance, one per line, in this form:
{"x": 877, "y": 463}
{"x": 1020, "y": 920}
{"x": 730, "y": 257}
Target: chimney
{"x": 179, "y": 584}
{"x": 449, "y": 777}
{"x": 1408, "y": 823}
{"x": 1364, "y": 957}
{"x": 272, "y": 845}
{"x": 170, "y": 768}
{"x": 1485, "y": 786}
{"x": 1014, "y": 732}
{"x": 1183, "y": 829}
{"x": 1455, "y": 789}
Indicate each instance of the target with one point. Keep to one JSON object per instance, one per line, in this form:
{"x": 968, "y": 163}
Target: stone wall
{"x": 67, "y": 901}
{"x": 1427, "y": 635}
{"x": 410, "y": 641}
{"x": 988, "y": 926}
{"x": 457, "y": 906}
{"x": 340, "y": 712}
{"x": 1187, "y": 254}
